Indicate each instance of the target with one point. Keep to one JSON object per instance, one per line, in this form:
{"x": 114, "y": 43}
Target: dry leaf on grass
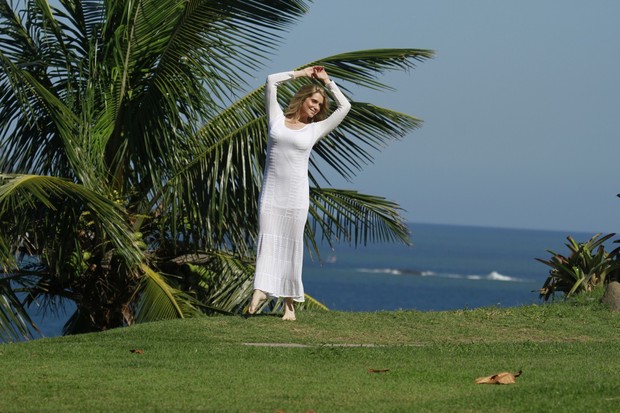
{"x": 499, "y": 378}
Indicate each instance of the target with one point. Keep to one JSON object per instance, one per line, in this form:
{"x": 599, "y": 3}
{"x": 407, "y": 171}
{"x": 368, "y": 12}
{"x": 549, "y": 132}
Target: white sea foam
{"x": 492, "y": 276}
{"x": 396, "y": 271}
{"x": 380, "y": 271}
{"x": 500, "y": 277}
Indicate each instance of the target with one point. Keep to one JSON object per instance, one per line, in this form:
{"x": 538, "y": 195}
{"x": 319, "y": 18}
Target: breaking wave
{"x": 492, "y": 276}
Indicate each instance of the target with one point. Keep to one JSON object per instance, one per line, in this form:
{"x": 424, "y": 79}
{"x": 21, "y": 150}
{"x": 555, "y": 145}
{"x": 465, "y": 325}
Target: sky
{"x": 520, "y": 107}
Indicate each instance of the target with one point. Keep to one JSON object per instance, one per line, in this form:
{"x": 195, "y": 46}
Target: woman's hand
{"x": 305, "y": 72}
{"x": 308, "y": 71}
{"x": 318, "y": 72}
{"x": 314, "y": 72}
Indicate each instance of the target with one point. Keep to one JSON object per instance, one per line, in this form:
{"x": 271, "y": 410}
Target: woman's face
{"x": 311, "y": 106}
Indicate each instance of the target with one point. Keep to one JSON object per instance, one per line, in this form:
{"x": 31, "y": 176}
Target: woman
{"x": 284, "y": 197}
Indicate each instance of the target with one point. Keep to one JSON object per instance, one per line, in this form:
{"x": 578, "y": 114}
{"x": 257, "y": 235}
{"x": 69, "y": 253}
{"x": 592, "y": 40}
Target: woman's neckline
{"x": 294, "y": 129}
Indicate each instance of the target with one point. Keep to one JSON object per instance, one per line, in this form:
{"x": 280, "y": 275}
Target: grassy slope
{"x": 568, "y": 354}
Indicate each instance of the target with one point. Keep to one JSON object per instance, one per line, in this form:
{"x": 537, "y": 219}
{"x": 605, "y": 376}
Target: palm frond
{"x": 363, "y": 67}
{"x": 366, "y": 129}
{"x": 15, "y": 40}
{"x": 40, "y": 70}
{"x": 225, "y": 41}
{"x": 276, "y": 306}
{"x": 351, "y": 217}
{"x": 25, "y": 196}
{"x": 156, "y": 299}
{"x": 15, "y": 323}
{"x": 218, "y": 188}
{"x": 44, "y": 119}
{"x": 221, "y": 281}
{"x": 197, "y": 53}
{"x": 80, "y": 22}
{"x": 310, "y": 303}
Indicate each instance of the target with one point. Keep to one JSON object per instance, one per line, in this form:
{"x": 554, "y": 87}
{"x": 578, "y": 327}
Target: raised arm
{"x": 274, "y": 111}
{"x": 271, "y": 88}
{"x": 271, "y": 94}
{"x": 344, "y": 106}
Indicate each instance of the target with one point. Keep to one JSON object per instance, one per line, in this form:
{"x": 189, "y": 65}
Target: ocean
{"x": 448, "y": 267}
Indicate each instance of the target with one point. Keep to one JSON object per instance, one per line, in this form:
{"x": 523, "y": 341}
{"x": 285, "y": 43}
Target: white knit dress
{"x": 284, "y": 196}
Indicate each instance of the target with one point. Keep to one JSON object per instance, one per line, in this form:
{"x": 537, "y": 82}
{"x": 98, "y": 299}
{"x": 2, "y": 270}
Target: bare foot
{"x": 289, "y": 310}
{"x": 257, "y": 299}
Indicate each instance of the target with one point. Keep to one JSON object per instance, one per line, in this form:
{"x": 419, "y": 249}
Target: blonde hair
{"x": 300, "y": 97}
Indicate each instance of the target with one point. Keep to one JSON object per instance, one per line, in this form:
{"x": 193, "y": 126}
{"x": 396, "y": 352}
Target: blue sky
{"x": 520, "y": 107}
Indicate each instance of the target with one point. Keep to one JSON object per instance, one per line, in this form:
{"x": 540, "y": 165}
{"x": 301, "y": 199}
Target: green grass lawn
{"x": 569, "y": 354}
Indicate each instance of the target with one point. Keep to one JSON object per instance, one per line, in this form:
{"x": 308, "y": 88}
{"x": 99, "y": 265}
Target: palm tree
{"x": 132, "y": 154}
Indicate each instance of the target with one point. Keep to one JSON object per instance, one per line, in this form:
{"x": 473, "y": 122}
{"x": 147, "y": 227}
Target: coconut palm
{"x": 132, "y": 155}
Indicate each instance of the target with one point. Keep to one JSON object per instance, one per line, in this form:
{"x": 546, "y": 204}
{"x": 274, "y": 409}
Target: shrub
{"x": 587, "y": 266}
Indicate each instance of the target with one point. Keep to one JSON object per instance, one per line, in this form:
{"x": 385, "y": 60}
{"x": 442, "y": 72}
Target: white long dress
{"x": 284, "y": 196}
